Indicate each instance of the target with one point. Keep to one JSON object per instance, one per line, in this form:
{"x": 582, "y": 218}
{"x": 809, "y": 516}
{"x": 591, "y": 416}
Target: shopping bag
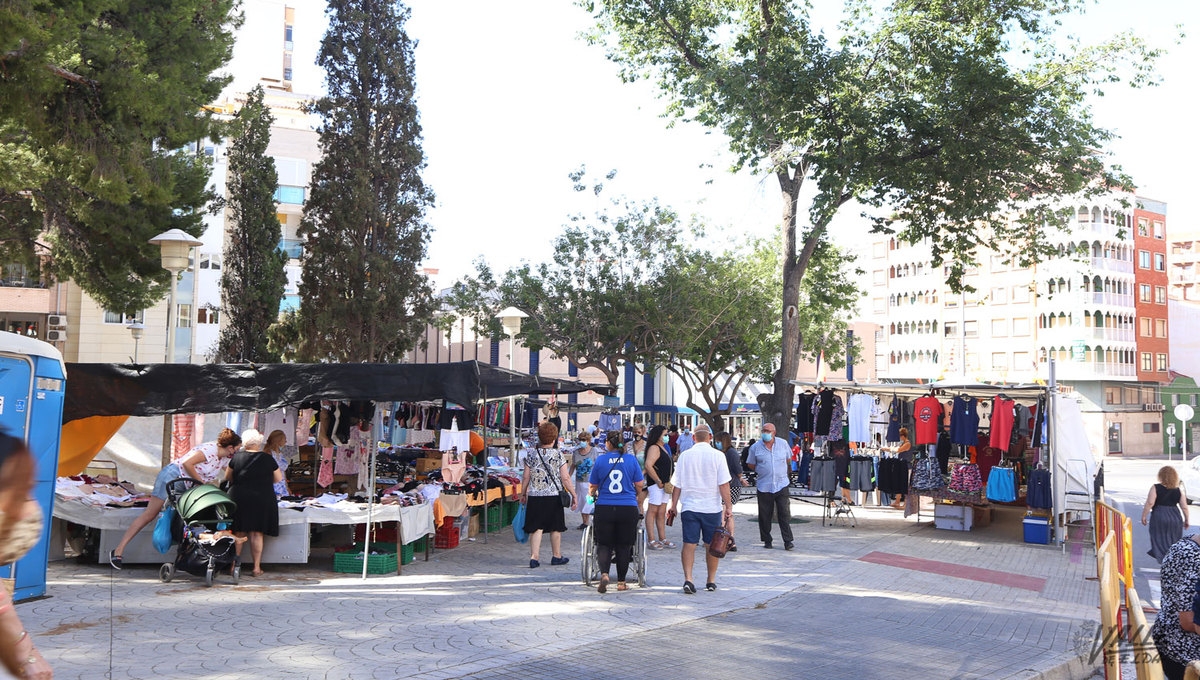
{"x": 518, "y": 525}
{"x": 162, "y": 530}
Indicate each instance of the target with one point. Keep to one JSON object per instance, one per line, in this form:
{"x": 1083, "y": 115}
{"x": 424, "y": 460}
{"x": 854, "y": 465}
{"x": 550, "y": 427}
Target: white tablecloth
{"x": 415, "y": 521}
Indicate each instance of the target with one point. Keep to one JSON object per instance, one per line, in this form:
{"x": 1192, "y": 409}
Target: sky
{"x": 512, "y": 100}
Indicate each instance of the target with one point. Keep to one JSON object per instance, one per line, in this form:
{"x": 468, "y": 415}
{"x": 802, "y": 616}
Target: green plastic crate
{"x": 406, "y": 553}
{"x": 419, "y": 545}
{"x": 510, "y": 511}
{"x": 349, "y": 561}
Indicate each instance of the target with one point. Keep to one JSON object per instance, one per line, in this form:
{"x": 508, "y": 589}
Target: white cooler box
{"x": 953, "y": 517}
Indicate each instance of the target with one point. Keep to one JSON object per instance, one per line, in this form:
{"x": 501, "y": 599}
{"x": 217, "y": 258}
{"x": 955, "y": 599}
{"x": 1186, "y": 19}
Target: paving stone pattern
{"x": 478, "y": 611}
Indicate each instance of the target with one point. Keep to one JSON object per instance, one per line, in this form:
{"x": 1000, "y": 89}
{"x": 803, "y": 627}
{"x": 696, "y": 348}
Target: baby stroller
{"x": 204, "y": 510}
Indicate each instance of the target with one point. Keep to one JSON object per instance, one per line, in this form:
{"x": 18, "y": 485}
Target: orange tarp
{"x": 84, "y": 438}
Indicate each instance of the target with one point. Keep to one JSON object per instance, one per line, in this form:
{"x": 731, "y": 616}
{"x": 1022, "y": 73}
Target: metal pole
{"x": 170, "y": 359}
{"x": 1056, "y": 480}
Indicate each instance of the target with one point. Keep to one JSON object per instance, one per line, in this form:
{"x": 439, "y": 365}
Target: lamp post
{"x": 175, "y": 248}
{"x": 510, "y": 320}
{"x": 136, "y": 329}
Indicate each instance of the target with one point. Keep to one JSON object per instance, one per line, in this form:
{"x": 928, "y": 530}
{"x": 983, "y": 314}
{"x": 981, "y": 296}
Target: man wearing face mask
{"x": 769, "y": 458}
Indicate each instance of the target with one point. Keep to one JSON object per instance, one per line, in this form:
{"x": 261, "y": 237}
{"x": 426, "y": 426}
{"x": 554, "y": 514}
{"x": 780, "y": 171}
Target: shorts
{"x": 699, "y": 526}
{"x": 658, "y": 496}
{"x": 168, "y": 474}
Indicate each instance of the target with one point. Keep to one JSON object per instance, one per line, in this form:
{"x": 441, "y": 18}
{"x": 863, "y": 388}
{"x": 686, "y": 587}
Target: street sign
{"x": 1171, "y": 429}
{"x": 1184, "y": 412}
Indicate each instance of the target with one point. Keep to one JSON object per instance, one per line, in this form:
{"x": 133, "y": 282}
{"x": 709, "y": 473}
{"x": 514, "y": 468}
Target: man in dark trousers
{"x": 770, "y": 458}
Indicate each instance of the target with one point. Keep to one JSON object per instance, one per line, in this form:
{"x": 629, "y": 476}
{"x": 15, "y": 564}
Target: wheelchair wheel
{"x": 640, "y": 549}
{"x": 587, "y": 557}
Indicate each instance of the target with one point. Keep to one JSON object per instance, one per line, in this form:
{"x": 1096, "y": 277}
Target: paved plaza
{"x": 885, "y": 599}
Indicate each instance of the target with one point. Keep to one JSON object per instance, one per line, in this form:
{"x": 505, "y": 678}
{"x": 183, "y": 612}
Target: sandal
{"x": 114, "y": 559}
{"x": 655, "y": 545}
{"x": 603, "y": 587}
{"x": 621, "y": 585}
{"x": 667, "y": 544}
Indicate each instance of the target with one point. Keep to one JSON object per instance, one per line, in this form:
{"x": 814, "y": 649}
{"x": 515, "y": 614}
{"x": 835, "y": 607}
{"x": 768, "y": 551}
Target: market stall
{"x": 98, "y": 394}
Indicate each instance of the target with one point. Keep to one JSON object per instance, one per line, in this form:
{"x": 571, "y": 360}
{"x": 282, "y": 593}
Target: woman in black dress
{"x": 252, "y": 475}
{"x": 1166, "y": 512}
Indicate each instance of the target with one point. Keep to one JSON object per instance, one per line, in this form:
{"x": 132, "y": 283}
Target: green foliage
{"x": 959, "y": 122}
{"x": 363, "y": 297}
{"x": 95, "y": 97}
{"x": 252, "y": 277}
{"x": 588, "y": 302}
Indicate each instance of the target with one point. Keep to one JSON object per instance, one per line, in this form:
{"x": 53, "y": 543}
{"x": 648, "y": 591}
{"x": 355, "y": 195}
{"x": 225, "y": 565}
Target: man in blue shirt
{"x": 769, "y": 458}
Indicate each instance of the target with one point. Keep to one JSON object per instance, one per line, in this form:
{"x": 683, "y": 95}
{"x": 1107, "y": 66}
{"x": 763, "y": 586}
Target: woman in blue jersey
{"x": 615, "y": 483}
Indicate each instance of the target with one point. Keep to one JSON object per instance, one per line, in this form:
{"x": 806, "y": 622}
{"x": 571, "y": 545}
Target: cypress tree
{"x": 362, "y": 296}
{"x": 253, "y": 277}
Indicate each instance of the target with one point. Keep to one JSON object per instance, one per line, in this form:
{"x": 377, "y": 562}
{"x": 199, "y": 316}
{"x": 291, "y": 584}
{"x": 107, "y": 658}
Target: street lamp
{"x": 137, "y": 329}
{"x": 510, "y": 320}
{"x": 175, "y": 248}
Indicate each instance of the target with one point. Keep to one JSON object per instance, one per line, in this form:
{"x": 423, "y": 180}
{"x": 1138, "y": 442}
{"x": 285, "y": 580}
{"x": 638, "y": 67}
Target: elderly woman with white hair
{"x": 252, "y": 475}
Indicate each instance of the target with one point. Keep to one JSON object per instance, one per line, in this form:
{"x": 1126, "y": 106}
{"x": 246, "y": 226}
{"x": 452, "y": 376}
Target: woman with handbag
{"x": 252, "y": 475}
{"x": 723, "y": 442}
{"x": 615, "y": 483}
{"x": 546, "y": 489}
{"x": 205, "y": 463}
{"x": 658, "y": 469}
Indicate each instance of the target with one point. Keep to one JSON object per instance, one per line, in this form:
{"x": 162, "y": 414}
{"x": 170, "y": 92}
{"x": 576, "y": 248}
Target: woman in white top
{"x": 205, "y": 463}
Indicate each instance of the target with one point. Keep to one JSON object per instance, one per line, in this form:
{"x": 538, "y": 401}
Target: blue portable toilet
{"x": 32, "y": 392}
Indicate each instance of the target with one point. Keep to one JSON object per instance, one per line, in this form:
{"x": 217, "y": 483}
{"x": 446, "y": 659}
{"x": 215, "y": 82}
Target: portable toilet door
{"x": 32, "y": 394}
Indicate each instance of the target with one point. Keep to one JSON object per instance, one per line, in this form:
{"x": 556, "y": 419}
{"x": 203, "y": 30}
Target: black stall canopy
{"x": 101, "y": 396}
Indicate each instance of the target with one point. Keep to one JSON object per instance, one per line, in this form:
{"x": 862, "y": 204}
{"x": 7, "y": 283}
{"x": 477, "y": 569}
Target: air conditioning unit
{"x": 57, "y": 320}
{"x": 56, "y": 336}
{"x": 1154, "y": 407}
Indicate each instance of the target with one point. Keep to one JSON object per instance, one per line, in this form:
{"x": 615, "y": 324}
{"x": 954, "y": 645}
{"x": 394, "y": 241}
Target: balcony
{"x": 293, "y": 247}
{"x": 1111, "y": 265}
{"x": 1111, "y": 299}
{"x": 22, "y": 282}
{"x": 1080, "y": 370}
{"x": 1067, "y": 335}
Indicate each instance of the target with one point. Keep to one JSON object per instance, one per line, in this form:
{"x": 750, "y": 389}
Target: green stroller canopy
{"x": 205, "y": 503}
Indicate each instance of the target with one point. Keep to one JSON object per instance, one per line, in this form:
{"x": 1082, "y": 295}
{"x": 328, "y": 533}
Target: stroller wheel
{"x": 208, "y": 575}
{"x": 236, "y": 574}
{"x": 166, "y": 572}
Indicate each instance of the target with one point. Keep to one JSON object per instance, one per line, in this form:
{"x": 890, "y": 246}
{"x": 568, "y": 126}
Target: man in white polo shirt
{"x": 701, "y": 481}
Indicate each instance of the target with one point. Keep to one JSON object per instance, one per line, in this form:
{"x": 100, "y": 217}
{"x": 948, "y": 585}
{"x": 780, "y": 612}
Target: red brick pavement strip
{"x": 1001, "y": 578}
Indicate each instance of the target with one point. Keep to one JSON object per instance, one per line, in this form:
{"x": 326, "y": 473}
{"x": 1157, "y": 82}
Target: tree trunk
{"x": 776, "y": 407}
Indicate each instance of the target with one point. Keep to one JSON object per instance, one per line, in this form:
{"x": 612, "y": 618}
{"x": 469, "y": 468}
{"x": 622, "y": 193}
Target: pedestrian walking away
{"x": 701, "y": 495}
{"x": 724, "y": 443}
{"x": 615, "y": 481}
{"x": 1166, "y": 513}
{"x": 769, "y": 458}
{"x": 545, "y": 474}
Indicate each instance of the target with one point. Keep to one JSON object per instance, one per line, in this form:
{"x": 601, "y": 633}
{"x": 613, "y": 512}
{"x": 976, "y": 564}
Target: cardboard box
{"x": 982, "y": 515}
{"x": 426, "y": 464}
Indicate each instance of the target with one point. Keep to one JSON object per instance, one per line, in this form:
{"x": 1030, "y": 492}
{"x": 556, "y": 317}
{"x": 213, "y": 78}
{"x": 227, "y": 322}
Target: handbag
{"x": 719, "y": 545}
{"x": 564, "y": 496}
{"x": 518, "y": 525}
{"x": 668, "y": 488}
{"x": 162, "y": 530}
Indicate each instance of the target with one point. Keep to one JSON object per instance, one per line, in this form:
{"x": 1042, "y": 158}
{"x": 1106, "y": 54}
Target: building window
{"x": 1021, "y": 361}
{"x": 1144, "y": 259}
{"x": 1020, "y": 294}
{"x": 1195, "y": 399}
{"x": 971, "y": 329}
{"x": 1147, "y": 361}
{"x": 1144, "y": 292}
{"x": 1174, "y": 400}
{"x": 880, "y": 277}
{"x": 1143, "y": 227}
{"x": 124, "y": 319}
{"x": 1112, "y": 395}
{"x": 208, "y": 315}
{"x": 1160, "y": 295}
{"x": 1150, "y": 428}
{"x": 210, "y": 261}
{"x": 1159, "y": 231}
{"x": 1144, "y": 327}
{"x": 999, "y": 328}
{"x": 1160, "y": 262}
{"x": 287, "y": 37}
{"x": 184, "y": 316}
{"x": 1020, "y": 327}
{"x": 294, "y": 195}
{"x": 999, "y": 296}
{"x": 999, "y": 361}
{"x": 1162, "y": 363}
{"x": 880, "y": 306}
{"x": 1160, "y": 328}
{"x": 951, "y": 329}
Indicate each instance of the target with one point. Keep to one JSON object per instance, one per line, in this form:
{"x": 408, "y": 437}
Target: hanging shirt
{"x": 897, "y": 416}
{"x": 860, "y": 417}
{"x": 964, "y": 421}
{"x": 1002, "y": 422}
{"x": 928, "y": 412}
{"x": 822, "y": 410}
{"x": 804, "y": 412}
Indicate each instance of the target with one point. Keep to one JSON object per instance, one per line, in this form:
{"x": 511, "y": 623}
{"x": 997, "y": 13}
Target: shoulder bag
{"x": 719, "y": 545}
{"x": 563, "y": 495}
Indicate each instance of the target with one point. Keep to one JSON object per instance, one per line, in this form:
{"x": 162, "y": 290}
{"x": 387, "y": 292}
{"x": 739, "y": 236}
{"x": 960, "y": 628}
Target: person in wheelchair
{"x": 615, "y": 483}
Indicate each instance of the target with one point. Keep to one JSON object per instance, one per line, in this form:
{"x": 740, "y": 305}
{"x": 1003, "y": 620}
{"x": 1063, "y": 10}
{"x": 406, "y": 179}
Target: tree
{"x": 362, "y": 296}
{"x": 715, "y": 327}
{"x": 958, "y": 120}
{"x": 98, "y": 101}
{"x": 590, "y": 303}
{"x": 253, "y": 277}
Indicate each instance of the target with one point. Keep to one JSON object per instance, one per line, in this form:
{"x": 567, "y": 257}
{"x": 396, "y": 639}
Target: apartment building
{"x": 1080, "y": 308}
